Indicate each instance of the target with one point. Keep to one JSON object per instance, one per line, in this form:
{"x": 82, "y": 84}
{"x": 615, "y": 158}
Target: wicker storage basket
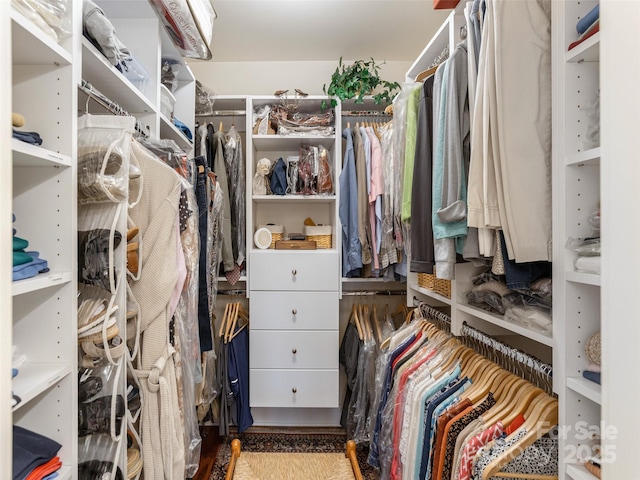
{"x": 426, "y": 280}
{"x": 321, "y": 234}
{"x": 438, "y": 285}
{"x": 277, "y": 233}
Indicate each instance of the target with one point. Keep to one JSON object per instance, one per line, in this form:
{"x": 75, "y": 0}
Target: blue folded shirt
{"x": 585, "y": 22}
{"x": 593, "y": 376}
{"x": 31, "y": 269}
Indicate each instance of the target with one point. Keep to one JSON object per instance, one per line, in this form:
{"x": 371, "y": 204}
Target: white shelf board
{"x": 435, "y": 46}
{"x": 431, "y": 294}
{"x": 31, "y": 46}
{"x": 40, "y": 281}
{"x": 35, "y": 378}
{"x": 64, "y": 473}
{"x": 294, "y": 198}
{"x": 500, "y": 322}
{"x": 365, "y": 280}
{"x": 285, "y": 143}
{"x": 586, "y": 388}
{"x": 109, "y": 81}
{"x": 586, "y": 278}
{"x": 578, "y": 472}
{"x": 587, "y": 51}
{"x": 242, "y": 279}
{"x": 274, "y": 251}
{"x": 588, "y": 157}
{"x": 28, "y": 155}
{"x": 170, "y": 131}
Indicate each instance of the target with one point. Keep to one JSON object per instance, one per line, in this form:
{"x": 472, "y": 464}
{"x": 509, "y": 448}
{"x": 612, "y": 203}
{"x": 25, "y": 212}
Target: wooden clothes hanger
{"x": 376, "y": 326}
{"x": 542, "y": 418}
{"x": 243, "y": 316}
{"x": 423, "y": 75}
{"x": 521, "y": 396}
{"x": 356, "y": 320}
{"x": 223, "y": 322}
{"x": 231, "y": 321}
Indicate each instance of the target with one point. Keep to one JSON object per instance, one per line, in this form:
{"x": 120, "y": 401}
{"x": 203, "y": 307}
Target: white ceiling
{"x": 322, "y": 30}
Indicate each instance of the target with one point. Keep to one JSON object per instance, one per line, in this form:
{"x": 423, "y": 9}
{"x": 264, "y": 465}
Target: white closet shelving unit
{"x": 576, "y": 190}
{"x": 139, "y": 28}
{"x": 39, "y": 187}
{"x": 293, "y": 295}
{"x": 538, "y": 344}
{"x": 6, "y": 189}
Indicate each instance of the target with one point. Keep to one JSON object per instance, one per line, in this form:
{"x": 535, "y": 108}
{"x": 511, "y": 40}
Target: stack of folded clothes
{"x": 33, "y": 138}
{"x": 35, "y": 457}
{"x": 587, "y": 26}
{"x": 26, "y": 264}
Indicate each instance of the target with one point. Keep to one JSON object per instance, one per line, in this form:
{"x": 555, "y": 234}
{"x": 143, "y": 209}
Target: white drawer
{"x": 294, "y": 310}
{"x": 278, "y": 270}
{"x": 293, "y": 388}
{"x": 291, "y": 350}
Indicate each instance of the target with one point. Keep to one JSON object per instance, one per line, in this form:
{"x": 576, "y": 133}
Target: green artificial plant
{"x": 357, "y": 80}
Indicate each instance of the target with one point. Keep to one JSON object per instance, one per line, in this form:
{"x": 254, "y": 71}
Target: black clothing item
{"x": 422, "y": 256}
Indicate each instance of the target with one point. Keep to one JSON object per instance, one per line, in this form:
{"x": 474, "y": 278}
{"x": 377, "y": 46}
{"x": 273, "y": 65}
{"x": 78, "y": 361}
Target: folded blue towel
{"x": 585, "y": 22}
{"x": 31, "y": 269}
{"x": 593, "y": 376}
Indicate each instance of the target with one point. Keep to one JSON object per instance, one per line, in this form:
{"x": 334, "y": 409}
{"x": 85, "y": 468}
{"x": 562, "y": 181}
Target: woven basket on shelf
{"x": 431, "y": 282}
{"x": 321, "y": 234}
{"x": 277, "y": 233}
{"x": 442, "y": 287}
{"x": 426, "y": 280}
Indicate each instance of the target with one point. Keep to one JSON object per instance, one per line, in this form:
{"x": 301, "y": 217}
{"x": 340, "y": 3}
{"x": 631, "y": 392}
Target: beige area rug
{"x": 292, "y": 466}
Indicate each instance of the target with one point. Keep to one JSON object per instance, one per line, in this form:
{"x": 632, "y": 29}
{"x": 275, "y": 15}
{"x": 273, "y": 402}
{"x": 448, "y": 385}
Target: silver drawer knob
{"x": 294, "y": 350}
{"x": 294, "y": 272}
{"x": 294, "y": 390}
{"x": 294, "y": 311}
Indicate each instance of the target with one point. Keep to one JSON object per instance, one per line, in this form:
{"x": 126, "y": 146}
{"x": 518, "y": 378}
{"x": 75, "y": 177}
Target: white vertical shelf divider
{"x": 620, "y": 107}
{"x": 5, "y": 212}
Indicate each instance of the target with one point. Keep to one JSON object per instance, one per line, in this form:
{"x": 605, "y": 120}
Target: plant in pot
{"x": 357, "y": 80}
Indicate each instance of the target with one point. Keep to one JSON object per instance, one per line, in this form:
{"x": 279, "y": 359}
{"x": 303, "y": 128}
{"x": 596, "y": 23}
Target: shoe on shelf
{"x": 93, "y": 256}
{"x": 95, "y": 416}
{"x": 97, "y": 470}
{"x": 89, "y": 388}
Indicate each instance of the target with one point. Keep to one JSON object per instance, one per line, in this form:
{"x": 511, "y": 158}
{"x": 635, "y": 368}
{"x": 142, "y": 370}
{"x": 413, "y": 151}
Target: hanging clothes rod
{"x": 236, "y": 291}
{"x": 516, "y": 361}
{"x": 440, "y": 319}
{"x": 221, "y": 113}
{"x": 365, "y": 113}
{"x": 111, "y": 106}
{"x": 374, "y": 292}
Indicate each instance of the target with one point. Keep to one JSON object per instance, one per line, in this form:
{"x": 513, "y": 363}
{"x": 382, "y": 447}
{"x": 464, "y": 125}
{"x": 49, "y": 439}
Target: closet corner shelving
{"x": 39, "y": 187}
{"x": 576, "y": 196}
{"x": 293, "y": 294}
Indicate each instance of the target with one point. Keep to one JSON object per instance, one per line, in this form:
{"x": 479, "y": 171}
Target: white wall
{"x": 264, "y": 78}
